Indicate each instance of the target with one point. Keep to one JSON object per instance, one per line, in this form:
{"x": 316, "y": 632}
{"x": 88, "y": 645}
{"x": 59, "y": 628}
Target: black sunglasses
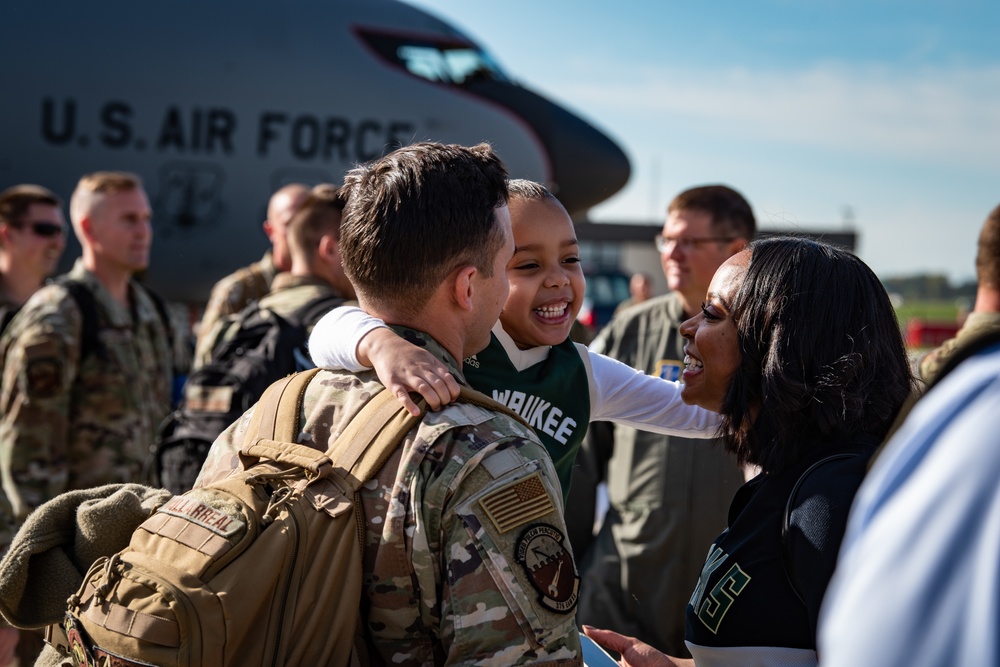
{"x": 46, "y": 229}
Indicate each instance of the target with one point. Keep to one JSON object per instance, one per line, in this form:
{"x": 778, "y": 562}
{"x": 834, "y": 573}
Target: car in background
{"x": 606, "y": 288}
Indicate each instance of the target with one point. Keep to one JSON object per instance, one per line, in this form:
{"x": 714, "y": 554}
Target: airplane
{"x": 217, "y": 104}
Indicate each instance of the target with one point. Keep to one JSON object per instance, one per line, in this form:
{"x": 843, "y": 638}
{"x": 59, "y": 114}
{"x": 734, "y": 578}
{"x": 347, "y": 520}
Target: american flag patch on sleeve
{"x": 518, "y": 503}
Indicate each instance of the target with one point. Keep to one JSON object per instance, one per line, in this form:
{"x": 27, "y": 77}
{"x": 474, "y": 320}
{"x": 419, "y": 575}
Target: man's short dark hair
{"x": 988, "y": 252}
{"x": 730, "y": 211}
{"x": 821, "y": 354}
{"x": 15, "y": 202}
{"x": 417, "y": 214}
{"x": 319, "y": 215}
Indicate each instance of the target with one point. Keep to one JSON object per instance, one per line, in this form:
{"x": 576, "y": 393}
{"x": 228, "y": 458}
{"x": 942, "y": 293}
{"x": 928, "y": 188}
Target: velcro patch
{"x": 202, "y": 514}
{"x": 78, "y": 643}
{"x": 549, "y": 566}
{"x": 208, "y": 399}
{"x": 44, "y": 377}
{"x": 518, "y": 503}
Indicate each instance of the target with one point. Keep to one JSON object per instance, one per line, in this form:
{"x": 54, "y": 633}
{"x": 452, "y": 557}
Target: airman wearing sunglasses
{"x": 78, "y": 413}
{"x": 32, "y": 238}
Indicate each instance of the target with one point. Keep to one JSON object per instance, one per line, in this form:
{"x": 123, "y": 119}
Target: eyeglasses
{"x": 687, "y": 244}
{"x": 46, "y": 229}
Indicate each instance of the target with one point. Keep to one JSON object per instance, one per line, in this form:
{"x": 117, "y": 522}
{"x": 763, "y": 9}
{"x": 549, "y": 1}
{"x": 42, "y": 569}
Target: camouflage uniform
{"x": 976, "y": 324}
{"x": 288, "y": 294}
{"x": 444, "y": 582}
{"x": 68, "y": 422}
{"x": 231, "y": 295}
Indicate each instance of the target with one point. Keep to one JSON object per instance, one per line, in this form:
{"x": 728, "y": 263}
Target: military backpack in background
{"x": 254, "y": 348}
{"x": 261, "y": 568}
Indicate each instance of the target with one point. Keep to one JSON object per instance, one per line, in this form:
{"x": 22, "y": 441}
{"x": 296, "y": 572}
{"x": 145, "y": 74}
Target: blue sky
{"x": 884, "y": 112}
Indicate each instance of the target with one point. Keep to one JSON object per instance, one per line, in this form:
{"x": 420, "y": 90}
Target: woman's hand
{"x": 403, "y": 367}
{"x": 634, "y": 653}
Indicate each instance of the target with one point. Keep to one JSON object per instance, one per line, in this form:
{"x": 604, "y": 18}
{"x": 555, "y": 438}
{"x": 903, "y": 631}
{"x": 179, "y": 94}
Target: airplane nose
{"x": 587, "y": 166}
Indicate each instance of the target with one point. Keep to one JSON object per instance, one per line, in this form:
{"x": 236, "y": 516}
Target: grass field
{"x": 932, "y": 311}
{"x": 929, "y": 311}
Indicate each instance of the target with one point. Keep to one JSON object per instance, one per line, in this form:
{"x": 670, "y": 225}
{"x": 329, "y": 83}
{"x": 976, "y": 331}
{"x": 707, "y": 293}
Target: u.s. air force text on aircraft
{"x": 220, "y": 131}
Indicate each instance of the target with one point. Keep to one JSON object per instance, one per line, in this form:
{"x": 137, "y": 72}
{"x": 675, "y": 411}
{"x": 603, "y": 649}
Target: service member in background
{"x": 32, "y": 239}
{"x": 985, "y": 315}
{"x": 250, "y": 283}
{"x": 79, "y": 401}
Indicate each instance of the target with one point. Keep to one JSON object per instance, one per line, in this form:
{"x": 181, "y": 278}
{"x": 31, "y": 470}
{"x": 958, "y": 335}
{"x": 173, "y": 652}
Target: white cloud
{"x": 949, "y": 115}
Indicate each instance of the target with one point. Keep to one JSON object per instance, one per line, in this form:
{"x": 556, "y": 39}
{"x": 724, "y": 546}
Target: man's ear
{"x": 738, "y": 245}
{"x": 268, "y": 229}
{"x": 87, "y": 228}
{"x": 463, "y": 286}
{"x": 329, "y": 248}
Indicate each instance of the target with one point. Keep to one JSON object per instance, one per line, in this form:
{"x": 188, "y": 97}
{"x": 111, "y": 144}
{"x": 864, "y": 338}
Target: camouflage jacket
{"x": 288, "y": 294}
{"x": 68, "y": 422}
{"x": 466, "y": 560}
{"x": 231, "y": 295}
{"x": 976, "y": 324}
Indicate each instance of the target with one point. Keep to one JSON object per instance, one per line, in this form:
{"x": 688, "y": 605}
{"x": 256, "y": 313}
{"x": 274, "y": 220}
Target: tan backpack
{"x": 261, "y": 568}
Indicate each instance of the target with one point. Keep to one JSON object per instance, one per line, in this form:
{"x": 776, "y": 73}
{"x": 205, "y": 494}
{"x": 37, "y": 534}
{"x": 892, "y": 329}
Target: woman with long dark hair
{"x": 797, "y": 346}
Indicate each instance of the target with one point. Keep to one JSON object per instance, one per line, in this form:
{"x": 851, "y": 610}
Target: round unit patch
{"x": 549, "y": 566}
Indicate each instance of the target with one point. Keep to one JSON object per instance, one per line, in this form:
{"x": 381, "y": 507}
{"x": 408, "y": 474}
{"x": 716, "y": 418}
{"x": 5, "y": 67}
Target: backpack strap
{"x": 361, "y": 449}
{"x": 7, "y": 314}
{"x": 276, "y": 416}
{"x": 87, "y": 305}
{"x": 372, "y": 436}
{"x": 786, "y": 525}
{"x": 161, "y": 309}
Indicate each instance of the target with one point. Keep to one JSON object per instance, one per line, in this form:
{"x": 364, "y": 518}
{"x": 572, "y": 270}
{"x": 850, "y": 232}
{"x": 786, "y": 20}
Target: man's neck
{"x": 113, "y": 279}
{"x": 987, "y": 300}
{"x": 447, "y": 334}
{"x": 18, "y": 285}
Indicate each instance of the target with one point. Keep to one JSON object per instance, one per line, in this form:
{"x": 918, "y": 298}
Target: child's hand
{"x": 403, "y": 367}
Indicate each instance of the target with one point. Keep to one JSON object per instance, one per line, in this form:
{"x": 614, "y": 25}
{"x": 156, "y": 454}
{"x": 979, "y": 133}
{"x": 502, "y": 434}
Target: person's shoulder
{"x": 655, "y": 313}
{"x": 836, "y": 475}
{"x": 52, "y": 304}
{"x": 234, "y": 280}
{"x": 658, "y": 307}
{"x": 479, "y": 425}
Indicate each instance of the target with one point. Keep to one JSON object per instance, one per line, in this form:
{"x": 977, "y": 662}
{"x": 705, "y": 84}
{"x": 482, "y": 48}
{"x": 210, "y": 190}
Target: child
{"x": 530, "y": 365}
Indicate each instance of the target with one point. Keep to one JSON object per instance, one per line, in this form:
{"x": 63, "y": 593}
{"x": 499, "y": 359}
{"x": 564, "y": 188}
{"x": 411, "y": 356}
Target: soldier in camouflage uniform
{"x": 466, "y": 559}
{"x": 32, "y": 238}
{"x": 985, "y": 315}
{"x": 250, "y": 283}
{"x": 316, "y": 270}
{"x": 71, "y": 419}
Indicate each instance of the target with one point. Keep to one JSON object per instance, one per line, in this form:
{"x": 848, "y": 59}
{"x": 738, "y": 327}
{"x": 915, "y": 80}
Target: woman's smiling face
{"x": 712, "y": 354}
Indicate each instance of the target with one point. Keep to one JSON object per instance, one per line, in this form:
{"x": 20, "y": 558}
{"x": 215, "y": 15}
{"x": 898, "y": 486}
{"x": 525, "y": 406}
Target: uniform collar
{"x": 117, "y": 315}
{"x": 421, "y": 339}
